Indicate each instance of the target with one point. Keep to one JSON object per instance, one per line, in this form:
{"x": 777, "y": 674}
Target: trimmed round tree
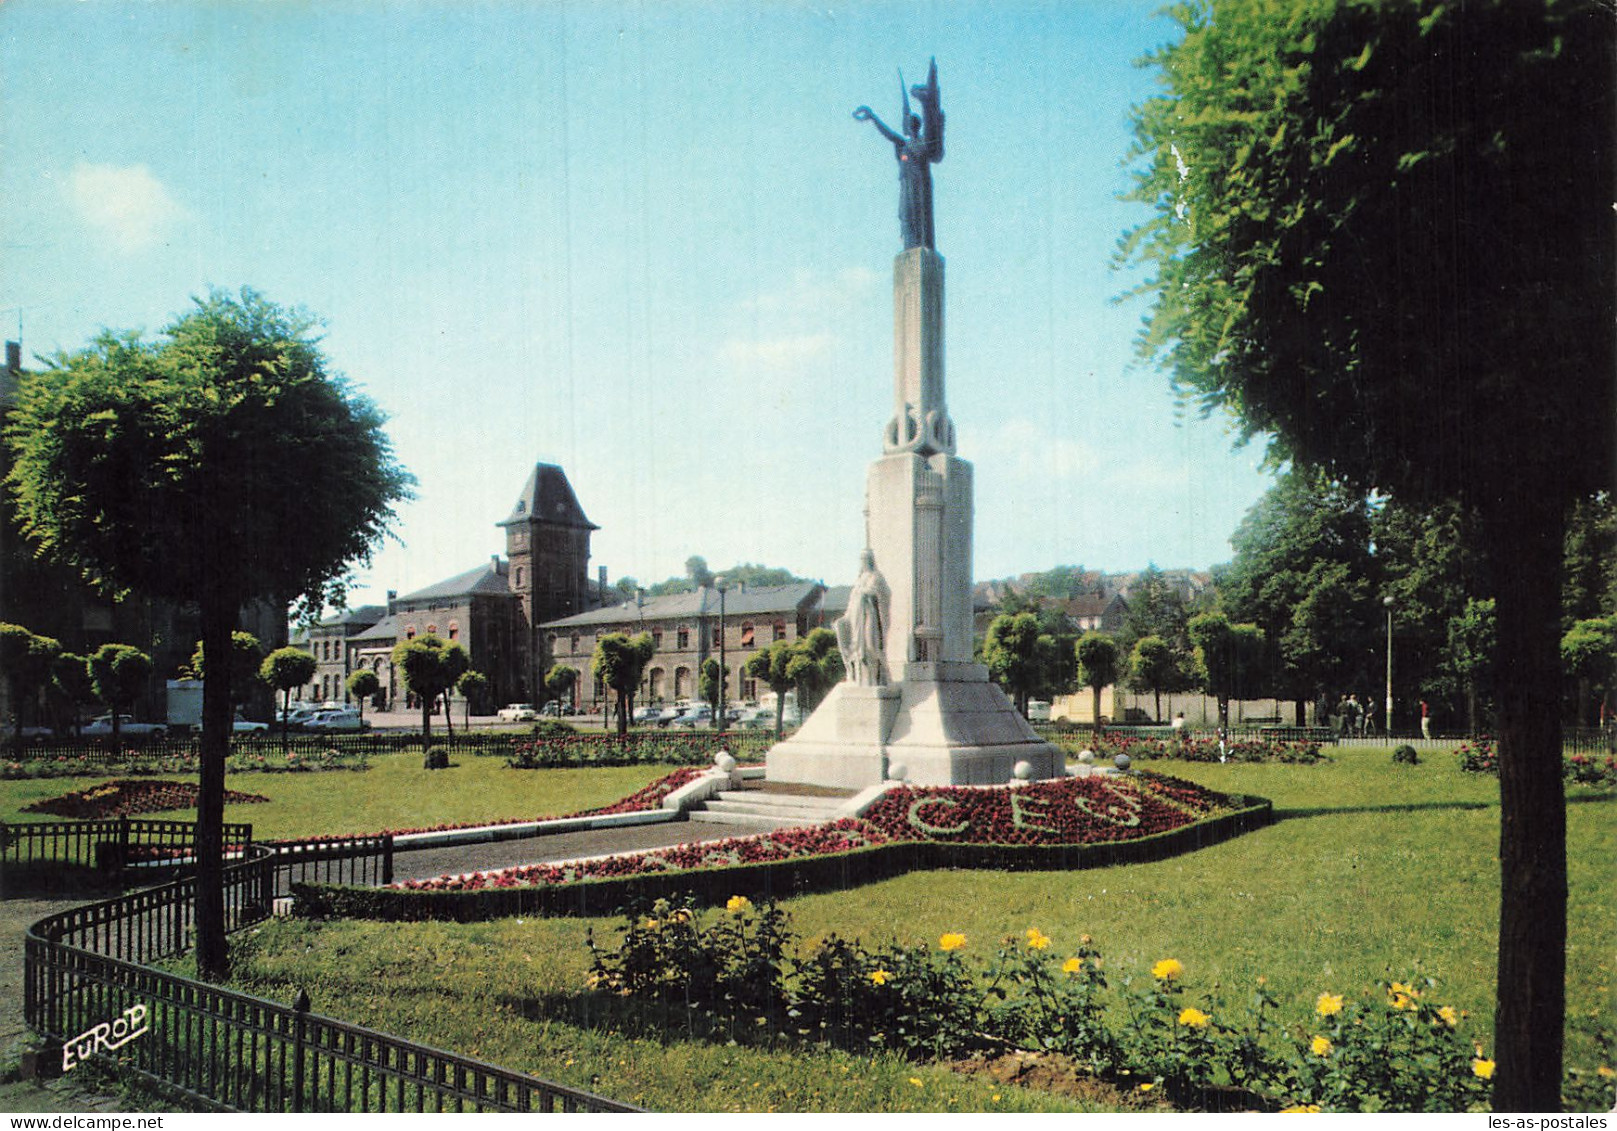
{"x": 119, "y": 674}
{"x": 1097, "y": 664}
{"x": 619, "y": 662}
{"x": 429, "y": 669}
{"x": 284, "y": 669}
{"x": 200, "y": 468}
{"x": 26, "y": 659}
{"x": 363, "y": 685}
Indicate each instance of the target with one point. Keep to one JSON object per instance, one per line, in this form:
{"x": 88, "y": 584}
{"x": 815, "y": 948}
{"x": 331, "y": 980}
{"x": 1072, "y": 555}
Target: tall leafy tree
{"x": 1154, "y": 666}
{"x": 119, "y": 674}
{"x": 1229, "y": 658}
{"x": 472, "y": 685}
{"x": 1350, "y": 253}
{"x": 1011, "y": 652}
{"x": 285, "y": 669}
{"x": 200, "y": 468}
{"x": 1302, "y": 573}
{"x": 1098, "y": 664}
{"x": 619, "y": 662}
{"x": 1589, "y": 650}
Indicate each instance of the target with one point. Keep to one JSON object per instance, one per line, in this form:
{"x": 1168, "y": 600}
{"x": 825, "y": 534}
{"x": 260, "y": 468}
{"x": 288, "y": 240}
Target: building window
{"x": 683, "y": 641}
{"x": 654, "y": 683}
{"x": 432, "y": 630}
{"x": 657, "y": 639}
{"x": 454, "y": 630}
{"x": 573, "y": 643}
{"x": 746, "y": 634}
{"x": 780, "y": 630}
{"x": 409, "y": 632}
{"x": 682, "y": 683}
{"x": 717, "y": 640}
{"x": 518, "y": 577}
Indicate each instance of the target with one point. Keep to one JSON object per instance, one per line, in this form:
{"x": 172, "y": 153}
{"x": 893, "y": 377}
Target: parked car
{"x": 127, "y": 727}
{"x": 755, "y": 718}
{"x": 246, "y": 726}
{"x": 517, "y": 713}
{"x": 552, "y": 709}
{"x": 668, "y": 714}
{"x": 1038, "y": 710}
{"x": 343, "y": 719}
{"x": 648, "y": 716}
{"x": 694, "y": 717}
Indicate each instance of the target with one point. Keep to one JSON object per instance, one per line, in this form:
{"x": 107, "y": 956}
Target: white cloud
{"x": 776, "y": 354}
{"x": 124, "y": 203}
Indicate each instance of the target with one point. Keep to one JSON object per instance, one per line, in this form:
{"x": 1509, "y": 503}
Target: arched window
{"x": 780, "y": 630}
{"x": 517, "y": 575}
{"x": 454, "y": 630}
{"x": 682, "y": 683}
{"x": 409, "y": 632}
{"x": 683, "y": 640}
{"x": 573, "y": 643}
{"x": 432, "y": 630}
{"x": 654, "y": 683}
{"x": 746, "y": 634}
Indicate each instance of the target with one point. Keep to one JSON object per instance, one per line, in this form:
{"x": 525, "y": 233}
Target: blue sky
{"x": 645, "y": 241}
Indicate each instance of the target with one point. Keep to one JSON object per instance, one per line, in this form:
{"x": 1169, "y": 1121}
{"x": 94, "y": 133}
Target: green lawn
{"x": 395, "y": 793}
{"x": 1372, "y": 872}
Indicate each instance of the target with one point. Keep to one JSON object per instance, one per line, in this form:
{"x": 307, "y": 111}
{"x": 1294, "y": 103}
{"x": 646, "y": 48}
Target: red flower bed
{"x": 783, "y": 844}
{"x": 1090, "y": 810}
{"x": 1067, "y": 811}
{"x": 127, "y": 797}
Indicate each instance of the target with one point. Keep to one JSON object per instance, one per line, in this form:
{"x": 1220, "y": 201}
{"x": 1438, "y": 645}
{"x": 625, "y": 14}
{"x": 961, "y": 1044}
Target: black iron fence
{"x": 40, "y": 850}
{"x": 88, "y": 991}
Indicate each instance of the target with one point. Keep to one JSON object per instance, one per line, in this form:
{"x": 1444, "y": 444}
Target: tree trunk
{"x": 213, "y": 955}
{"x": 449, "y": 719}
{"x": 1531, "y": 996}
{"x": 426, "y": 723}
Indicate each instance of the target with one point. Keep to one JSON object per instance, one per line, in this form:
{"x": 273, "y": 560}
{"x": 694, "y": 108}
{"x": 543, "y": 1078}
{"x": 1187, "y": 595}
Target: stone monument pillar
{"x": 927, "y": 709}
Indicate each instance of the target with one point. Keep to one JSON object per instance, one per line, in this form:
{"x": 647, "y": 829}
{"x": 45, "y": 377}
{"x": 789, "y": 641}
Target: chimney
{"x": 392, "y": 595}
{"x": 601, "y": 574}
{"x": 13, "y": 356}
{"x": 495, "y": 560}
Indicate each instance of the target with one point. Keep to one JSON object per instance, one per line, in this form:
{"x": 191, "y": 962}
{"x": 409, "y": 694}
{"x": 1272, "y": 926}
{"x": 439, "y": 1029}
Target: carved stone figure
{"x": 861, "y": 631}
{"x": 918, "y": 148}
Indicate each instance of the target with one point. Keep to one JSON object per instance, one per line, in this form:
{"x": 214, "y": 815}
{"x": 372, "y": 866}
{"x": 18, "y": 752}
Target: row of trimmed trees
{"x": 808, "y": 666}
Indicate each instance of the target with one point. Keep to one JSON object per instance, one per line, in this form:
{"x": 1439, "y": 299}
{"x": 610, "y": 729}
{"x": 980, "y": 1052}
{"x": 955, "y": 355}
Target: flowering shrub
{"x": 649, "y": 798}
{"x": 126, "y": 798}
{"x": 1479, "y": 756}
{"x": 1399, "y": 1051}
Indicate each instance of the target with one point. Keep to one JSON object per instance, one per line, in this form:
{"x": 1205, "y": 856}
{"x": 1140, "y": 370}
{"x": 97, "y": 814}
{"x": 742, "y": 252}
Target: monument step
{"x": 708, "y": 815}
{"x": 783, "y": 801}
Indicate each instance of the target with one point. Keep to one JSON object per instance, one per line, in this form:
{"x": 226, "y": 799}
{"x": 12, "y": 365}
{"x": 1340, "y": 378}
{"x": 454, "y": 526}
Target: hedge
{"x": 778, "y": 879}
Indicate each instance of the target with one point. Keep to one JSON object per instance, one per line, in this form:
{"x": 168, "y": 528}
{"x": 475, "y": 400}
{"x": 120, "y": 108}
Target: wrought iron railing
{"x": 87, "y": 988}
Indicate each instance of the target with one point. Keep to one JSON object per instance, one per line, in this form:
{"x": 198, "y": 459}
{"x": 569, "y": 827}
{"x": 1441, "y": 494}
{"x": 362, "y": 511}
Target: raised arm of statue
{"x": 866, "y": 114}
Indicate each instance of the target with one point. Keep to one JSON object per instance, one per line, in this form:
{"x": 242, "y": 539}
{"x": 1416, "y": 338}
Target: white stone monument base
{"x": 943, "y": 724}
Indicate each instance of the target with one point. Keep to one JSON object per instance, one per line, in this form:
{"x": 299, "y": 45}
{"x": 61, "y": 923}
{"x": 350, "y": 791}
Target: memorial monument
{"x": 914, "y": 704}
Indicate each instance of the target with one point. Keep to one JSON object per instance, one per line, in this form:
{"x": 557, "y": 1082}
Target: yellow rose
{"x": 1300, "y": 1109}
{"x": 1037, "y": 939}
{"x": 738, "y": 904}
{"x": 1321, "y": 1046}
{"x": 1448, "y": 1016}
{"x": 1482, "y": 1069}
{"x": 1193, "y": 1018}
{"x": 879, "y": 977}
{"x": 1328, "y": 1005}
{"x": 953, "y": 940}
{"x": 1073, "y": 966}
{"x": 1167, "y": 969}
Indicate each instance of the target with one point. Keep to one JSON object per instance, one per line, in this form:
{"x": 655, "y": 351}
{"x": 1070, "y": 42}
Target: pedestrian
{"x": 1425, "y": 719}
{"x": 1344, "y": 717}
{"x": 1355, "y": 716}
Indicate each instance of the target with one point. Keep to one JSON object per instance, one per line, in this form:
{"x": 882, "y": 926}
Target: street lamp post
{"x": 1387, "y": 601}
{"x": 718, "y": 716}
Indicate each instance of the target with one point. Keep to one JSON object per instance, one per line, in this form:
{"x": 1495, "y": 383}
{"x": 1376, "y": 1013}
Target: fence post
{"x": 387, "y": 859}
{"x": 300, "y": 1009}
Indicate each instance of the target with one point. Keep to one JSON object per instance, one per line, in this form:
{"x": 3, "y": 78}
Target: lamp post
{"x": 718, "y": 716}
{"x": 1387, "y": 601}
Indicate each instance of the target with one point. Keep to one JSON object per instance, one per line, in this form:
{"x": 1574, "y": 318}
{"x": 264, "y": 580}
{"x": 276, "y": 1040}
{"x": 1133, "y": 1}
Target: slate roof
{"x": 752, "y": 601}
{"x": 548, "y": 497}
{"x": 365, "y": 614}
{"x": 486, "y": 579}
{"x": 386, "y": 629}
